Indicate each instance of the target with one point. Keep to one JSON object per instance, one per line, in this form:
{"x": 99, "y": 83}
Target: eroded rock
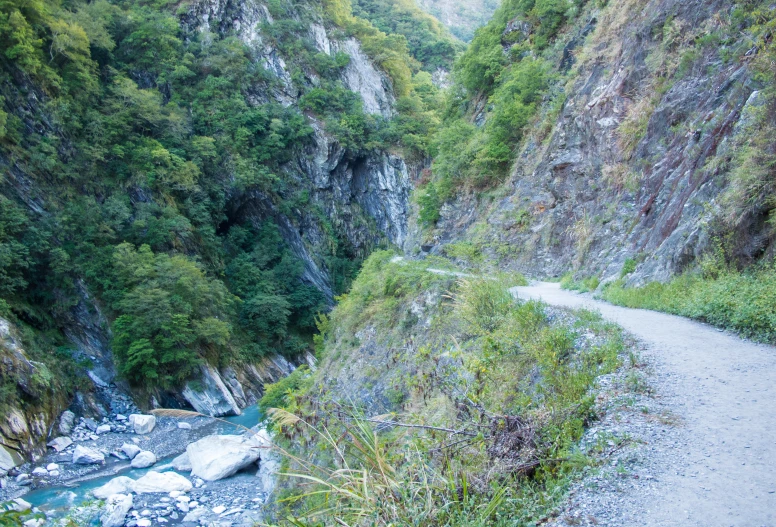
{"x": 161, "y": 482}
{"x": 217, "y": 457}
{"x": 87, "y": 456}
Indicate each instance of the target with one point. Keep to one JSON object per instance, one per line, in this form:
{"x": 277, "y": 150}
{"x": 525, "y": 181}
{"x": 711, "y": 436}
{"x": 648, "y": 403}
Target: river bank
{"x": 67, "y": 489}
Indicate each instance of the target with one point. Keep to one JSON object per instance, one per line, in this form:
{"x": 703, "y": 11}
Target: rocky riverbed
{"x": 135, "y": 471}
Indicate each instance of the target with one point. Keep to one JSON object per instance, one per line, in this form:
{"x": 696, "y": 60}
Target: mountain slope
{"x": 184, "y": 187}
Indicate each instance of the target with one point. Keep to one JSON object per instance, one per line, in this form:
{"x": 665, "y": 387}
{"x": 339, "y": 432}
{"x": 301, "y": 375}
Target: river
{"x": 57, "y": 500}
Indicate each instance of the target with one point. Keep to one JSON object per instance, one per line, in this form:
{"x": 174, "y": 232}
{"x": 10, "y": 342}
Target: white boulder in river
{"x": 142, "y": 424}
{"x": 143, "y": 459}
{"x": 116, "y": 508}
{"x": 155, "y": 482}
{"x": 87, "y": 456}
{"x": 217, "y": 457}
{"x": 118, "y": 485}
{"x": 130, "y": 450}
{"x": 182, "y": 463}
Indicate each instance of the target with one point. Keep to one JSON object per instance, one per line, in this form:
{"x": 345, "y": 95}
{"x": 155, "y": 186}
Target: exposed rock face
{"x": 360, "y": 76}
{"x": 627, "y": 171}
{"x": 155, "y": 482}
{"x": 210, "y": 395}
{"x": 66, "y": 422}
{"x": 216, "y": 457}
{"x": 9, "y": 458}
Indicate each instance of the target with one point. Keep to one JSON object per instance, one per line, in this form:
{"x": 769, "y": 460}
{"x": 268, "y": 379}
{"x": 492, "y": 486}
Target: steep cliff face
{"x": 364, "y": 196}
{"x": 634, "y": 165}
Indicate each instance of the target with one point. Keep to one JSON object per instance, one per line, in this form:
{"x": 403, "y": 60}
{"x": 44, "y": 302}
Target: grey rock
{"x": 155, "y": 482}
{"x": 116, "y": 508}
{"x": 103, "y": 429}
{"x": 216, "y": 457}
{"x": 130, "y": 450}
{"x": 211, "y": 396}
{"x": 144, "y": 459}
{"x": 184, "y": 426}
{"x": 19, "y": 505}
{"x": 182, "y": 463}
{"x": 90, "y": 423}
{"x": 87, "y": 456}
{"x": 66, "y": 422}
{"x": 142, "y": 424}
{"x": 118, "y": 485}
{"x": 40, "y": 472}
{"x": 9, "y": 458}
{"x": 195, "y": 515}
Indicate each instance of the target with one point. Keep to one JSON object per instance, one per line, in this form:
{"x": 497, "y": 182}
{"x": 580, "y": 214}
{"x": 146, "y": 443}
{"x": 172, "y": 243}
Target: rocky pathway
{"x": 716, "y": 467}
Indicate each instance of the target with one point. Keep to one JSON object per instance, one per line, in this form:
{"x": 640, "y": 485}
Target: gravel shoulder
{"x": 707, "y": 439}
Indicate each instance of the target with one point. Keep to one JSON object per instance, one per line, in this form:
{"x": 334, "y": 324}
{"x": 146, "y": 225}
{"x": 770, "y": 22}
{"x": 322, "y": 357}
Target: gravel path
{"x": 718, "y": 467}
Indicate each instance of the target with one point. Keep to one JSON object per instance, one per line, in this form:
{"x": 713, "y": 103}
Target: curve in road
{"x": 724, "y": 390}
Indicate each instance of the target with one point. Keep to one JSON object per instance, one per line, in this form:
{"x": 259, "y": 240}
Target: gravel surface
{"x": 702, "y": 427}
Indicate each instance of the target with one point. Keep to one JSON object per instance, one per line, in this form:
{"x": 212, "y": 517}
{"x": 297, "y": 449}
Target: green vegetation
{"x": 584, "y": 285}
{"x": 135, "y": 131}
{"x": 502, "y": 77}
{"x": 489, "y": 396}
{"x": 429, "y": 42}
{"x": 743, "y": 301}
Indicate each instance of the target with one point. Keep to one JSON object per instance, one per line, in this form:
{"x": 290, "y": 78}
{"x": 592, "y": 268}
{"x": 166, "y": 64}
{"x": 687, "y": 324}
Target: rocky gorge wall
{"x": 636, "y": 159}
{"x": 364, "y": 197}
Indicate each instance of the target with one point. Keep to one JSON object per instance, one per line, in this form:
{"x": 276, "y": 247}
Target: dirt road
{"x": 720, "y": 467}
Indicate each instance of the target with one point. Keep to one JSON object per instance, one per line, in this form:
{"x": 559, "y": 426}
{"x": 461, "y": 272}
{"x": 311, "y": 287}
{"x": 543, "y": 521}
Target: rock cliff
{"x": 633, "y": 165}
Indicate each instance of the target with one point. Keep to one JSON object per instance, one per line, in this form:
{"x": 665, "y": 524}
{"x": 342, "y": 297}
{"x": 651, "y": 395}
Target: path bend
{"x": 723, "y": 388}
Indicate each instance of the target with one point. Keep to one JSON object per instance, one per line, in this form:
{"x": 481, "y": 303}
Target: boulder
{"x": 182, "y": 463}
{"x": 195, "y": 515}
{"x": 52, "y": 466}
{"x": 142, "y": 424}
{"x": 60, "y": 443}
{"x": 144, "y": 459}
{"x": 23, "y": 480}
{"x": 90, "y": 423}
{"x": 219, "y": 456}
{"x": 19, "y": 505}
{"x": 184, "y": 426}
{"x": 103, "y": 429}
{"x": 130, "y": 450}
{"x": 116, "y": 508}
{"x": 118, "y": 485}
{"x": 40, "y": 472}
{"x": 9, "y": 458}
{"x": 87, "y": 456}
{"x": 66, "y": 422}
{"x": 156, "y": 482}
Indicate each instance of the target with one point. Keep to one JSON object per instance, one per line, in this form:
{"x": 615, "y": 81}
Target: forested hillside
{"x": 191, "y": 183}
{"x": 462, "y": 17}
